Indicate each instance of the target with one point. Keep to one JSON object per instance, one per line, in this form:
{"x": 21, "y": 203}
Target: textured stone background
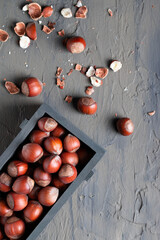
{"x": 121, "y": 200}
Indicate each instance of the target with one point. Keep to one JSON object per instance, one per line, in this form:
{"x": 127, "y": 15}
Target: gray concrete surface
{"x": 121, "y": 200}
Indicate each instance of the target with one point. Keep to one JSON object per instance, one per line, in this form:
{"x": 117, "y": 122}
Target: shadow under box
{"x": 84, "y": 168}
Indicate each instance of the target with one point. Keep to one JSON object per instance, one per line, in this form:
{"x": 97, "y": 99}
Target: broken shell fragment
{"x": 61, "y": 33}
{"x": 82, "y": 12}
{"x": 24, "y": 42}
{"x": 59, "y": 71}
{"x": 78, "y": 67}
{"x": 66, "y": 12}
{"x": 151, "y": 113}
{"x": 47, "y": 11}
{"x": 70, "y": 72}
{"x": 79, "y": 4}
{"x": 90, "y": 72}
{"x": 68, "y": 99}
{"x": 25, "y": 8}
{"x": 96, "y": 82}
{"x": 3, "y": 36}
{"x": 20, "y": 29}
{"x": 101, "y": 72}
{"x": 110, "y": 12}
{"x": 11, "y": 87}
{"x": 89, "y": 90}
{"x": 31, "y": 31}
{"x": 47, "y": 30}
{"x": 34, "y": 10}
{"x": 116, "y": 65}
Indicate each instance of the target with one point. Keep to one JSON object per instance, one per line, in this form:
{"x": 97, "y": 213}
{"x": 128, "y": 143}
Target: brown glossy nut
{"x": 31, "y": 31}
{"x": 76, "y": 44}
{"x": 41, "y": 177}
{"x": 37, "y": 136}
{"x": 33, "y": 211}
{"x": 67, "y": 173}
{"x": 14, "y": 228}
{"x": 5, "y": 182}
{"x": 17, "y": 168}
{"x": 71, "y": 143}
{"x": 58, "y": 184}
{"x": 34, "y": 193}
{"x": 48, "y": 196}
{"x": 52, "y": 163}
{"x": 87, "y": 105}
{"x": 47, "y": 124}
{"x": 31, "y": 87}
{"x": 59, "y": 131}
{"x": 23, "y": 185}
{"x": 5, "y": 211}
{"x": 125, "y": 126}
{"x": 32, "y": 152}
{"x": 53, "y": 145}
{"x": 16, "y": 201}
{"x": 71, "y": 158}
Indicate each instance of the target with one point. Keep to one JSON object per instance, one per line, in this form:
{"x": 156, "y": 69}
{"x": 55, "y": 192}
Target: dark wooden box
{"x": 84, "y": 173}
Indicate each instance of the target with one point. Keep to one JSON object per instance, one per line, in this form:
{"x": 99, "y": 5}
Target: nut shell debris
{"x": 31, "y": 31}
{"x": 11, "y": 87}
{"x": 68, "y": 99}
{"x": 151, "y": 113}
{"x": 47, "y": 11}
{"x": 61, "y": 33}
{"x": 3, "y": 36}
{"x": 101, "y": 72}
{"x": 79, "y": 4}
{"x": 82, "y": 12}
{"x": 96, "y": 82}
{"x": 90, "y": 72}
{"x": 110, "y": 12}
{"x": 70, "y": 72}
{"x": 89, "y": 90}
{"x": 116, "y": 65}
{"x": 20, "y": 29}
{"x": 66, "y": 13}
{"x": 59, "y": 71}
{"x": 35, "y": 11}
{"x": 24, "y": 42}
{"x": 78, "y": 67}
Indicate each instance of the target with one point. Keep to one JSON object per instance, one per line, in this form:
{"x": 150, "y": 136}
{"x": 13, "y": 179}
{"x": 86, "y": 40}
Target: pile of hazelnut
{"x": 30, "y": 183}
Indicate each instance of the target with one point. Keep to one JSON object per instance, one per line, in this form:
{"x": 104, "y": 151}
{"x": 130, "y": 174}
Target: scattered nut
{"x": 78, "y": 67}
{"x": 101, "y": 72}
{"x": 82, "y": 12}
{"x": 96, "y": 82}
{"x": 70, "y": 71}
{"x": 79, "y": 4}
{"x": 151, "y": 113}
{"x": 3, "y": 36}
{"x": 68, "y": 99}
{"x": 25, "y": 8}
{"x": 110, "y": 12}
{"x": 66, "y": 12}
{"x": 61, "y": 33}
{"x": 90, "y": 72}
{"x": 11, "y": 87}
{"x": 59, "y": 71}
{"x": 89, "y": 90}
{"x": 24, "y": 42}
{"x": 20, "y": 29}
{"x": 34, "y": 10}
{"x": 116, "y": 66}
